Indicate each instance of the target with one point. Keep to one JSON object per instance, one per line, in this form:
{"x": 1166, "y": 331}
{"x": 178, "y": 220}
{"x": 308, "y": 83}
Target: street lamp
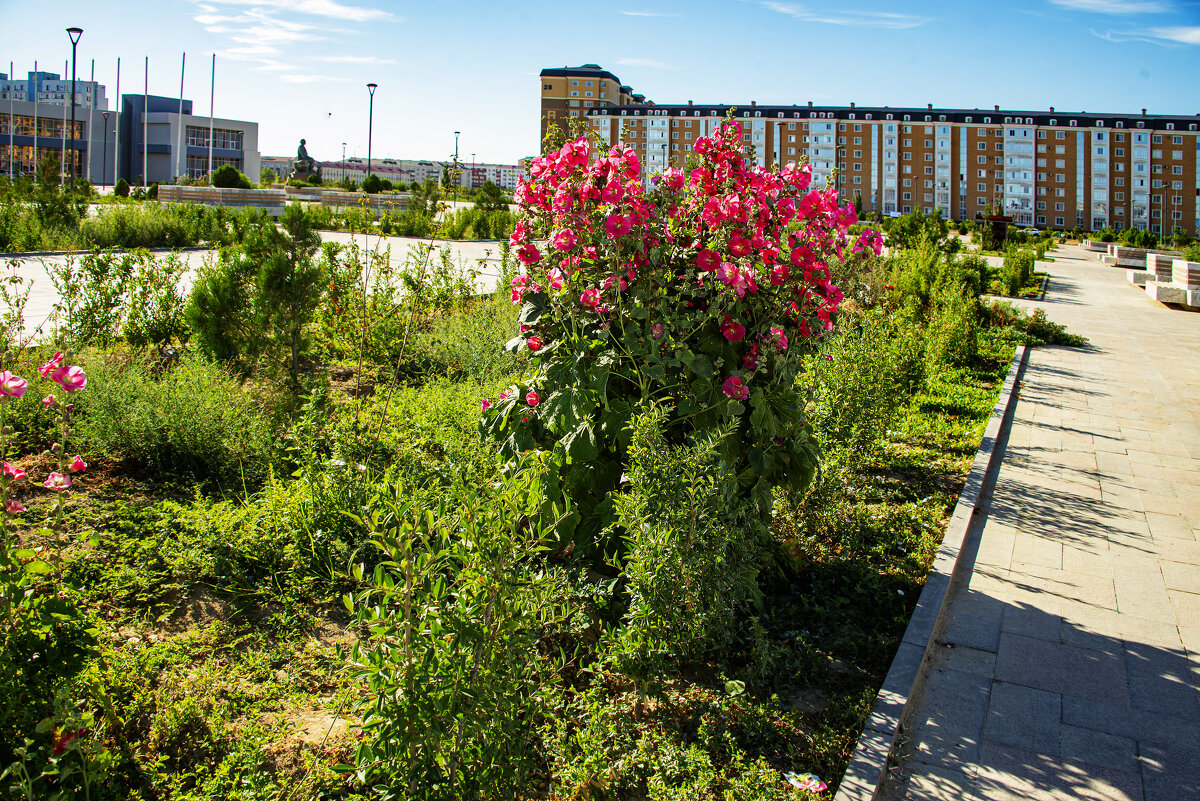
{"x": 472, "y": 172}
{"x": 343, "y": 161}
{"x": 371, "y": 87}
{"x": 74, "y": 33}
{"x": 454, "y": 175}
{"x": 104, "y": 160}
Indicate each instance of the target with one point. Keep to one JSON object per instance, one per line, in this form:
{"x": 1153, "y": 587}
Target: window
{"x": 906, "y": 195}
{"x": 983, "y": 159}
{"x": 1041, "y": 205}
{"x": 929, "y": 170}
{"x": 1177, "y": 140}
{"x": 1060, "y": 134}
{"x": 980, "y": 201}
{"x": 906, "y": 182}
{"x": 983, "y": 145}
{"x": 982, "y": 174}
{"x": 1060, "y": 206}
{"x": 1156, "y": 139}
{"x": 1177, "y": 170}
{"x": 1000, "y": 146}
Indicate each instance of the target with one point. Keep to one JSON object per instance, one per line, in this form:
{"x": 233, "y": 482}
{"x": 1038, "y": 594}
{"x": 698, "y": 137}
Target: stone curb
{"x": 868, "y": 769}
{"x": 33, "y": 254}
{"x": 1042, "y": 292}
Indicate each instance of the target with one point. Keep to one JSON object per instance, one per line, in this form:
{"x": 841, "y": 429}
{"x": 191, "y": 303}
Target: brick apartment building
{"x": 1048, "y": 169}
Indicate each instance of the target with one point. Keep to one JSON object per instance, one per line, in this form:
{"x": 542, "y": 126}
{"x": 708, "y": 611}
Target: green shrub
{"x": 227, "y": 177}
{"x": 953, "y": 334}
{"x": 372, "y": 184}
{"x": 858, "y": 379}
{"x": 190, "y": 418}
{"x": 122, "y": 188}
{"x": 452, "y": 670}
{"x": 692, "y": 551}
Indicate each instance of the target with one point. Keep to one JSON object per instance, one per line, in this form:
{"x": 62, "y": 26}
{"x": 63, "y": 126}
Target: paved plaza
{"x": 43, "y": 296}
{"x": 1070, "y": 664}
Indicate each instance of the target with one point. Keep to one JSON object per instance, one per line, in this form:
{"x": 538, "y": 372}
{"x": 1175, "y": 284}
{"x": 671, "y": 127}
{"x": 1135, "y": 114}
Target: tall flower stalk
{"x": 11, "y": 387}
{"x": 70, "y": 379}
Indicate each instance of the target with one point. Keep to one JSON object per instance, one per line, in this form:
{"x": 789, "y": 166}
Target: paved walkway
{"x": 1070, "y": 666}
{"x": 43, "y": 297}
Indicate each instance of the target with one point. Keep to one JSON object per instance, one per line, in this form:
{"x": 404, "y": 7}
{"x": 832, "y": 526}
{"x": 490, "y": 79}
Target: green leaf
{"x": 735, "y": 408}
{"x": 735, "y": 687}
{"x": 580, "y": 443}
{"x": 702, "y": 366}
{"x": 760, "y": 460}
{"x": 38, "y": 567}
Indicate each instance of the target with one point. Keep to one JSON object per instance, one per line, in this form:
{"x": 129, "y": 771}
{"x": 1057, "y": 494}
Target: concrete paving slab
{"x": 1086, "y": 588}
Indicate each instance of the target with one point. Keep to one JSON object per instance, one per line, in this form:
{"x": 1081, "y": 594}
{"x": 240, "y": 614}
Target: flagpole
{"x": 179, "y": 153}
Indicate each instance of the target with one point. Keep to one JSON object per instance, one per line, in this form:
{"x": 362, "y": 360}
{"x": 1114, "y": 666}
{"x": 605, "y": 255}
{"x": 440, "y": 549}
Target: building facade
{"x": 160, "y": 143}
{"x": 1046, "y": 168}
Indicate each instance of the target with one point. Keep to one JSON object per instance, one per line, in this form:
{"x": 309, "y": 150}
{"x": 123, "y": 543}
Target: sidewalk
{"x": 1070, "y": 666}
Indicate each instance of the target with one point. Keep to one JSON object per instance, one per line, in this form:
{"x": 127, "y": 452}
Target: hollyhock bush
{"x": 697, "y": 296}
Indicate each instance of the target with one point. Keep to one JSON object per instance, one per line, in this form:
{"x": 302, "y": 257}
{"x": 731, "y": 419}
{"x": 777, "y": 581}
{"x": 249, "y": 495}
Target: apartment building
{"x": 1048, "y": 169}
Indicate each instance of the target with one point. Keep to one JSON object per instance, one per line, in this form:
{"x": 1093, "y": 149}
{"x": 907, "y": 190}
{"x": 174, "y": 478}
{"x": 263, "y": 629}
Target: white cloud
{"x": 354, "y": 60}
{"x": 643, "y": 62}
{"x": 848, "y": 17}
{"x": 320, "y": 8}
{"x": 1170, "y": 36}
{"x": 1183, "y": 34}
{"x": 649, "y": 14}
{"x": 1115, "y": 6}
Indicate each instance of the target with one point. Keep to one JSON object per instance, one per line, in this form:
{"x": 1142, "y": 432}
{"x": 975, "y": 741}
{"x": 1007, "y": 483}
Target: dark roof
{"x": 1062, "y": 119}
{"x": 585, "y": 71}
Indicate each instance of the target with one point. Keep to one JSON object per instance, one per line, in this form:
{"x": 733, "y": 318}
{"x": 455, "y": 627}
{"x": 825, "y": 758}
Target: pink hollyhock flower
{"x": 77, "y": 464}
{"x": 708, "y": 260}
{"x": 779, "y": 338}
{"x": 13, "y": 507}
{"x": 503, "y": 395}
{"x": 70, "y": 378}
{"x": 556, "y": 277}
{"x": 50, "y": 366}
{"x": 11, "y": 385}
{"x": 617, "y": 225}
{"x": 564, "y": 239}
{"x": 615, "y": 280}
{"x": 734, "y": 332}
{"x": 739, "y": 245}
{"x": 750, "y": 360}
{"x": 656, "y": 331}
{"x": 613, "y": 191}
{"x": 734, "y": 388}
{"x": 533, "y": 399}
{"x": 590, "y": 297}
{"x": 529, "y": 254}
{"x": 483, "y": 407}
{"x": 727, "y": 273}
{"x": 13, "y": 472}
{"x": 673, "y": 178}
{"x": 65, "y": 741}
{"x": 49, "y": 400}
{"x": 534, "y": 343}
{"x": 779, "y": 274}
{"x": 57, "y": 481}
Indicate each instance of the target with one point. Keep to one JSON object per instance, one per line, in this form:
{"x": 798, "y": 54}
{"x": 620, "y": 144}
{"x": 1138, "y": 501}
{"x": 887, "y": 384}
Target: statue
{"x": 304, "y": 167}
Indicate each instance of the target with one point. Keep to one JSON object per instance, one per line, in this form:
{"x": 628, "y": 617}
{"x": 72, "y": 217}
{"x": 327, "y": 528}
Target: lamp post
{"x": 74, "y": 33}
{"x": 454, "y": 174}
{"x": 104, "y": 161}
{"x": 343, "y": 161}
{"x": 472, "y": 172}
{"x": 371, "y": 87}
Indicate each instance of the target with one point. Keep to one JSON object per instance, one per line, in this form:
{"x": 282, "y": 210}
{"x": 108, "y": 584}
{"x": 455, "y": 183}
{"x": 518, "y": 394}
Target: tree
{"x": 267, "y": 176}
{"x": 490, "y": 197}
{"x": 372, "y": 184}
{"x": 122, "y": 188}
{"x": 226, "y": 177}
{"x": 908, "y": 231}
{"x": 259, "y": 298}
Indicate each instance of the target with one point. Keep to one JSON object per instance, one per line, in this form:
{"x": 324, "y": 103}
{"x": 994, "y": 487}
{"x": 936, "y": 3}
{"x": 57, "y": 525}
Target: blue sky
{"x": 300, "y": 67}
